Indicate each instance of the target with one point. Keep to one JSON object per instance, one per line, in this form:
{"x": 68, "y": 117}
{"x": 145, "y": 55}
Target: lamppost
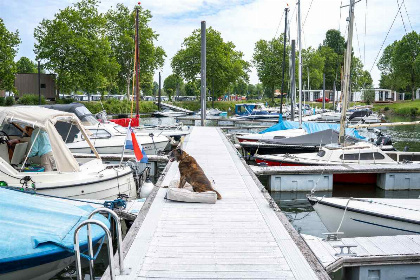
{"x": 39, "y": 82}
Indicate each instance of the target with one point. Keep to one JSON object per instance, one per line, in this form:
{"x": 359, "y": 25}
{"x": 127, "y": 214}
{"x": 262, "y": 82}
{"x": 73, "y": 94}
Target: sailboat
{"x": 364, "y": 217}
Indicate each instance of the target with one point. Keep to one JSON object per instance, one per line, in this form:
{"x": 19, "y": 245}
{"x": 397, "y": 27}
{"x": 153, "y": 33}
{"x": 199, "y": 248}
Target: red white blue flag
{"x": 131, "y": 143}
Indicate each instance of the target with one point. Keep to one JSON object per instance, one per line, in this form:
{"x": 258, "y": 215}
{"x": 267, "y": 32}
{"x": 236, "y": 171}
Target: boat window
{"x": 99, "y": 134}
{"x": 363, "y": 156}
{"x": 321, "y": 153}
{"x": 86, "y": 116}
{"x": 12, "y": 130}
{"x": 120, "y": 129}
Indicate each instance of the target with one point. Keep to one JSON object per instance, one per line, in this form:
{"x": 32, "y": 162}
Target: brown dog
{"x": 191, "y": 172}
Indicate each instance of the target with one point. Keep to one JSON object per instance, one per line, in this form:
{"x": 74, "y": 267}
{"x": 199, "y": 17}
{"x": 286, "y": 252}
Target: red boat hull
{"x": 360, "y": 178}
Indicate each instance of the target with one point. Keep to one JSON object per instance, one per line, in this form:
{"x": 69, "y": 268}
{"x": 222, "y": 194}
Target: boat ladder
{"x": 88, "y": 223}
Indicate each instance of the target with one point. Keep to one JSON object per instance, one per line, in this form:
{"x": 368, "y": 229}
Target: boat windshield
{"x": 86, "y": 116}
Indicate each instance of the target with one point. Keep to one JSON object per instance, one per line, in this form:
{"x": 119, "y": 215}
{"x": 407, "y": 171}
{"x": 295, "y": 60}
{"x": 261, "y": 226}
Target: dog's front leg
{"x": 182, "y": 181}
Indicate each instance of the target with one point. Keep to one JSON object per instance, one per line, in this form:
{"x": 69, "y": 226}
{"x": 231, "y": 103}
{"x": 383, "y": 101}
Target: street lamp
{"x": 39, "y": 82}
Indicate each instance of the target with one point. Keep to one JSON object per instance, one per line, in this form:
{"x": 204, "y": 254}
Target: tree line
{"x": 400, "y": 64}
{"x": 88, "y": 50}
{"x": 93, "y": 52}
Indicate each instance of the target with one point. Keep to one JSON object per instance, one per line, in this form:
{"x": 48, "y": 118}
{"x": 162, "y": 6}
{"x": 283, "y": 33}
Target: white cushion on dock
{"x": 187, "y": 194}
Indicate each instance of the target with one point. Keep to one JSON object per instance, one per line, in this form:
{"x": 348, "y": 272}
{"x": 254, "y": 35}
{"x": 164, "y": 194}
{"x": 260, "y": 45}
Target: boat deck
{"x": 242, "y": 236}
{"x": 378, "y": 250}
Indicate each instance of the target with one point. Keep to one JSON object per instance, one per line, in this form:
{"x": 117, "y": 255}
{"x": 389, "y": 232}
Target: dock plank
{"x": 239, "y": 237}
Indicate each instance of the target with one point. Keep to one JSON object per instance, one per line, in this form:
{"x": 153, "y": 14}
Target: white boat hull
{"x": 370, "y": 220}
{"x": 94, "y": 181}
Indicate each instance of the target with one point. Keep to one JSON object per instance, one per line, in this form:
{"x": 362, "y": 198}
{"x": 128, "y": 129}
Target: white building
{"x": 387, "y": 95}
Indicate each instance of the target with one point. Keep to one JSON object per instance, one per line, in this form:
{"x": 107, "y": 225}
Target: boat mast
{"x": 284, "y": 63}
{"x": 136, "y": 58}
{"x": 300, "y": 67}
{"x": 347, "y": 64}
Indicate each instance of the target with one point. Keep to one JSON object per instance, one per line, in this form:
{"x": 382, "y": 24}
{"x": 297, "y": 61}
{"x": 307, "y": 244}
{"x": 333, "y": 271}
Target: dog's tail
{"x": 218, "y": 195}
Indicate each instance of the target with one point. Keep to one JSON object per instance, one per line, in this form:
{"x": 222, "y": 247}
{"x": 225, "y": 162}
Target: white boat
{"x": 92, "y": 179}
{"x": 332, "y": 154}
{"x": 279, "y": 134}
{"x": 368, "y": 216}
{"x": 107, "y": 137}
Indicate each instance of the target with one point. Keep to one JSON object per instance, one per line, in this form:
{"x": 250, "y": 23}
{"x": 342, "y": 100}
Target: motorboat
{"x": 368, "y": 216}
{"x": 254, "y": 111}
{"x": 107, "y": 137}
{"x": 93, "y": 179}
{"x": 359, "y": 115}
{"x": 168, "y": 113}
{"x": 110, "y": 139}
{"x": 37, "y": 231}
{"x": 331, "y": 154}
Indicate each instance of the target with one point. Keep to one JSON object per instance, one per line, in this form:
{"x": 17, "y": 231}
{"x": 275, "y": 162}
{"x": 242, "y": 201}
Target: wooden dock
{"x": 242, "y": 236}
{"x": 369, "y": 251}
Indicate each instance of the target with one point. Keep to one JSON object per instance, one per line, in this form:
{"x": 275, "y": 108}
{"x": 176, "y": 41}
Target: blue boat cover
{"x": 311, "y": 127}
{"x": 35, "y": 229}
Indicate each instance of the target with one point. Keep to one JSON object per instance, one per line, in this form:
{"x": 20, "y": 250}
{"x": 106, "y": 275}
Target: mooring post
{"x": 160, "y": 93}
{"x": 323, "y": 91}
{"x": 203, "y": 73}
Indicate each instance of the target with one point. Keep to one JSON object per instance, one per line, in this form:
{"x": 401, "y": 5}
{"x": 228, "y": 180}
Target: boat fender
{"x": 146, "y": 188}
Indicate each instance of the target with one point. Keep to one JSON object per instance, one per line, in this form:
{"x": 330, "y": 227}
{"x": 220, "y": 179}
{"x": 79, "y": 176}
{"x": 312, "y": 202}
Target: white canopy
{"x": 45, "y": 119}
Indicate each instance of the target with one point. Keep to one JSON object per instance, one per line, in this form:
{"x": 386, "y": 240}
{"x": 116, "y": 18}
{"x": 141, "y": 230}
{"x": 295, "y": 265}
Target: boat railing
{"x": 88, "y": 223}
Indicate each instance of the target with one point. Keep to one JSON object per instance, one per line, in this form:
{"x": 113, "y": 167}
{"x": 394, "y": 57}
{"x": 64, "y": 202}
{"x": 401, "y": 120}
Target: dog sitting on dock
{"x": 191, "y": 172}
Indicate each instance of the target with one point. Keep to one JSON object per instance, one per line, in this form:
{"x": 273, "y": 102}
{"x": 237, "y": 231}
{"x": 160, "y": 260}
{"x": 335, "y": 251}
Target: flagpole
{"x": 122, "y": 155}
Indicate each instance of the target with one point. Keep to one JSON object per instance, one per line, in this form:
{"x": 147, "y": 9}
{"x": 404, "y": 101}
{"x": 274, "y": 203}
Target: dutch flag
{"x": 131, "y": 143}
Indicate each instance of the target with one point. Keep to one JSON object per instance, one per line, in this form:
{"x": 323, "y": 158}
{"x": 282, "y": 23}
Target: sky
{"x": 243, "y": 22}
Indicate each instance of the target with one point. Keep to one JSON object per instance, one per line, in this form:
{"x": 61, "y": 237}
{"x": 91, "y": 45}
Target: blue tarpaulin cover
{"x": 311, "y": 127}
{"x": 35, "y": 229}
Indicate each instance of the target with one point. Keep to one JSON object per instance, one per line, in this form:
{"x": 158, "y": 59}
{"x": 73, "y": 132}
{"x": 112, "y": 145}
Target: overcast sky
{"x": 243, "y": 22}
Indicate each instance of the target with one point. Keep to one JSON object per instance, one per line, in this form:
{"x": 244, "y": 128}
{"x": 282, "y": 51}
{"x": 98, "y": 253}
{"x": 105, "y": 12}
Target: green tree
{"x": 191, "y": 89}
{"x": 335, "y": 41}
{"x": 314, "y": 62}
{"x": 240, "y": 87}
{"x": 252, "y": 91}
{"x": 369, "y": 95}
{"x": 268, "y": 58}
{"x": 9, "y": 42}
{"x": 332, "y": 62}
{"x": 120, "y": 33}
{"x": 74, "y": 46}
{"x": 155, "y": 90}
{"x": 406, "y": 62}
{"x": 25, "y": 65}
{"x": 171, "y": 84}
{"x": 225, "y": 65}
{"x": 359, "y": 78}
{"x": 259, "y": 90}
